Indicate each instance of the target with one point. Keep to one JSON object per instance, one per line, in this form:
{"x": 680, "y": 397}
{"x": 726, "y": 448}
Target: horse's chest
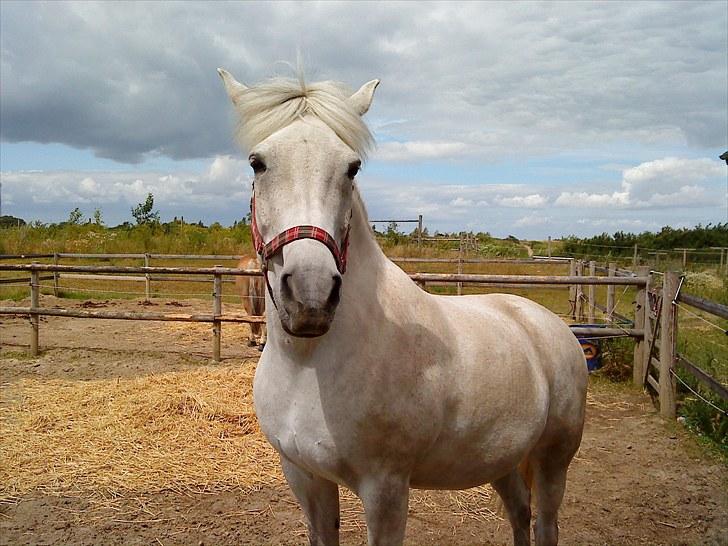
{"x": 293, "y": 420}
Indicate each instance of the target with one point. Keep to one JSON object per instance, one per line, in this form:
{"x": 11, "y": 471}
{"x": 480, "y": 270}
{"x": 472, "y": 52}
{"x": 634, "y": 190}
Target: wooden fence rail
{"x": 705, "y": 378}
{"x": 528, "y": 279}
{"x": 516, "y": 261}
{"x": 132, "y": 269}
{"x": 714, "y": 308}
{"x": 21, "y": 280}
{"x": 131, "y": 315}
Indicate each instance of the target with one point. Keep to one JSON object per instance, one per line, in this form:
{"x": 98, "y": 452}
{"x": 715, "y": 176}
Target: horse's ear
{"x": 233, "y": 87}
{"x": 362, "y": 99}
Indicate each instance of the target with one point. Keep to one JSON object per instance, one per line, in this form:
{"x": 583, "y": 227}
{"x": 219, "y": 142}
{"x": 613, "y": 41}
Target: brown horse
{"x": 252, "y": 292}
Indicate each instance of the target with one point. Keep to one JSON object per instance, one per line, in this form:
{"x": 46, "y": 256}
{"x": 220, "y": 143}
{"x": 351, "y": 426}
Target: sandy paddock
{"x": 125, "y": 432}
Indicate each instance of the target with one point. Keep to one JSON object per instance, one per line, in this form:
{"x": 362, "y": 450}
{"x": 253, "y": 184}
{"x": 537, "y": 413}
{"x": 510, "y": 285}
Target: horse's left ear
{"x": 362, "y": 99}
{"x": 233, "y": 87}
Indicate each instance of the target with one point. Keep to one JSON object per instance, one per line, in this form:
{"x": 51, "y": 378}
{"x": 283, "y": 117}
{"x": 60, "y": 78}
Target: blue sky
{"x": 523, "y": 118}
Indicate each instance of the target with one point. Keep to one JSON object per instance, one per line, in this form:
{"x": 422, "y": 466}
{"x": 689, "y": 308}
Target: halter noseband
{"x": 269, "y": 249}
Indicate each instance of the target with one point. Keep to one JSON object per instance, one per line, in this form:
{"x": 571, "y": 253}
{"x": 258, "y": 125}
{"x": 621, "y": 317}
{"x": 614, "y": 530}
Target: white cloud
{"x": 532, "y": 220}
{"x": 634, "y": 224}
{"x": 460, "y": 202}
{"x": 668, "y": 182}
{"x": 532, "y": 201}
{"x": 420, "y": 149}
{"x": 585, "y": 199}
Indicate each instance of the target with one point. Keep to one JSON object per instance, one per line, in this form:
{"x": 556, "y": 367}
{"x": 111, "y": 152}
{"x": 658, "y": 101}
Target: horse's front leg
{"x": 385, "y": 499}
{"x": 319, "y": 499}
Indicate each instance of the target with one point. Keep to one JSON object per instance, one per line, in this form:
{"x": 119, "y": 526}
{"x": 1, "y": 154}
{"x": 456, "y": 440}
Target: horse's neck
{"x": 365, "y": 255}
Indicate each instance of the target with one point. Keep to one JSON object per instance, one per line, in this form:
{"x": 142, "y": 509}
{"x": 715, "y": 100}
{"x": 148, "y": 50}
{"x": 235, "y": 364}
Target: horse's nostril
{"x": 285, "y": 285}
{"x": 335, "y": 295}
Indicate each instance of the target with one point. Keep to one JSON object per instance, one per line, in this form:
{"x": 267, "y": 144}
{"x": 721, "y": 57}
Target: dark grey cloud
{"x": 129, "y": 79}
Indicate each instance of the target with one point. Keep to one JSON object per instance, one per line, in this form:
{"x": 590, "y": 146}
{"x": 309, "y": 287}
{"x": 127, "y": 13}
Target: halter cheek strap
{"x": 269, "y": 249}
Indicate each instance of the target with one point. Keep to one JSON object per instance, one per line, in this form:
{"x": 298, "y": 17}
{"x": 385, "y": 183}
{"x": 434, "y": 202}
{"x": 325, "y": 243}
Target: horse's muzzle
{"x": 308, "y": 304}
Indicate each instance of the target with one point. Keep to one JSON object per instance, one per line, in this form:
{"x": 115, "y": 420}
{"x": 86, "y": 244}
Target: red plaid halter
{"x": 266, "y": 250}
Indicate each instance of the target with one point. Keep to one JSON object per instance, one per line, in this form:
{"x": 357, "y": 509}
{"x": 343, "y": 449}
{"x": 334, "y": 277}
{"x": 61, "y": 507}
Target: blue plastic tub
{"x": 592, "y": 347}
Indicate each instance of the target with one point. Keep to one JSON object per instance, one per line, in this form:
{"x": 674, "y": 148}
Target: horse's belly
{"x": 463, "y": 469}
{"x": 459, "y": 466}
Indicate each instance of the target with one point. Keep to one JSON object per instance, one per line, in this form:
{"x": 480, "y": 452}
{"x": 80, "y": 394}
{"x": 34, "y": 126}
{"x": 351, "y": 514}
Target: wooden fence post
{"x": 34, "y": 318}
{"x": 55, "y": 275}
{"x": 579, "y": 292}
{"x": 592, "y": 291}
{"x": 460, "y": 264}
{"x": 610, "y": 292}
{"x": 572, "y": 288}
{"x": 147, "y": 279}
{"x": 634, "y": 257}
{"x": 549, "y": 247}
{"x": 419, "y": 231}
{"x": 641, "y": 321}
{"x": 668, "y": 344}
{"x": 216, "y": 311}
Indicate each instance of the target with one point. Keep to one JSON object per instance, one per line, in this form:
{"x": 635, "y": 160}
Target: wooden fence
{"x": 217, "y": 273}
{"x": 654, "y": 327}
{"x": 656, "y": 315}
{"x": 418, "y": 222}
{"x": 660, "y": 322}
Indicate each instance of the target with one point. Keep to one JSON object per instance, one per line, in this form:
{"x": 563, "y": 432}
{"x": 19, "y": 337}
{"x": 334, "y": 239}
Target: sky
{"x": 531, "y": 119}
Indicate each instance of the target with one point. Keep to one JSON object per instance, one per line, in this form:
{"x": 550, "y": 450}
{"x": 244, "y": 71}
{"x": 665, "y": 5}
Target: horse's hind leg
{"x": 549, "y": 482}
{"x": 319, "y": 500}
{"x": 549, "y": 474}
{"x": 516, "y": 498}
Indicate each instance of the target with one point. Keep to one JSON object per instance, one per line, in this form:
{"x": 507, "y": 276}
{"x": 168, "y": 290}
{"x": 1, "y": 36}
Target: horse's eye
{"x": 257, "y": 164}
{"x": 353, "y": 169}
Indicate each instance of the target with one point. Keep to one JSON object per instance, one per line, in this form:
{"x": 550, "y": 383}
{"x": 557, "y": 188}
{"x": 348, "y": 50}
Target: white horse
{"x": 369, "y": 382}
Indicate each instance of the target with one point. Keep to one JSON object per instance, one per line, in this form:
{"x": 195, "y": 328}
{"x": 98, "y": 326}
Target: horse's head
{"x": 306, "y": 144}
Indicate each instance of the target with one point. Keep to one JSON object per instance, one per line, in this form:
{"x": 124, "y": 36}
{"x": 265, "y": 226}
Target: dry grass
{"x": 186, "y": 431}
{"x": 192, "y": 431}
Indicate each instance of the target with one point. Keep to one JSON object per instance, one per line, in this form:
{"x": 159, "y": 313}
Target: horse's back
{"x": 520, "y": 326}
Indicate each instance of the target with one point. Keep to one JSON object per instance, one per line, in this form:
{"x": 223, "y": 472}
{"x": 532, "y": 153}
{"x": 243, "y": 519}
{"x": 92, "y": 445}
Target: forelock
{"x": 270, "y": 106}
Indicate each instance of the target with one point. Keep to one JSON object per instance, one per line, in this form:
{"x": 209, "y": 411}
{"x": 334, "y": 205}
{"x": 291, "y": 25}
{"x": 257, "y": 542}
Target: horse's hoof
{"x": 261, "y": 346}
{"x": 252, "y": 343}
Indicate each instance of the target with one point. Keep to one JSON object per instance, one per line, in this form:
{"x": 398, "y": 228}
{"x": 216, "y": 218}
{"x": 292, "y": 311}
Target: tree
{"x": 98, "y": 220}
{"x": 143, "y": 213}
{"x": 8, "y": 221}
{"x": 75, "y": 216}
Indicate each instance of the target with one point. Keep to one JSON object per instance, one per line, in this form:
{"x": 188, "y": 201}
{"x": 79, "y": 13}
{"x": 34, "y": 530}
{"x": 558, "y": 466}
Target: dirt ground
{"x": 636, "y": 479}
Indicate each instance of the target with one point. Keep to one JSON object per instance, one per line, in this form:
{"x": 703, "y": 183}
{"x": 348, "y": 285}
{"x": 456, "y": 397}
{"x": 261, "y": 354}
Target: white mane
{"x": 275, "y": 104}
